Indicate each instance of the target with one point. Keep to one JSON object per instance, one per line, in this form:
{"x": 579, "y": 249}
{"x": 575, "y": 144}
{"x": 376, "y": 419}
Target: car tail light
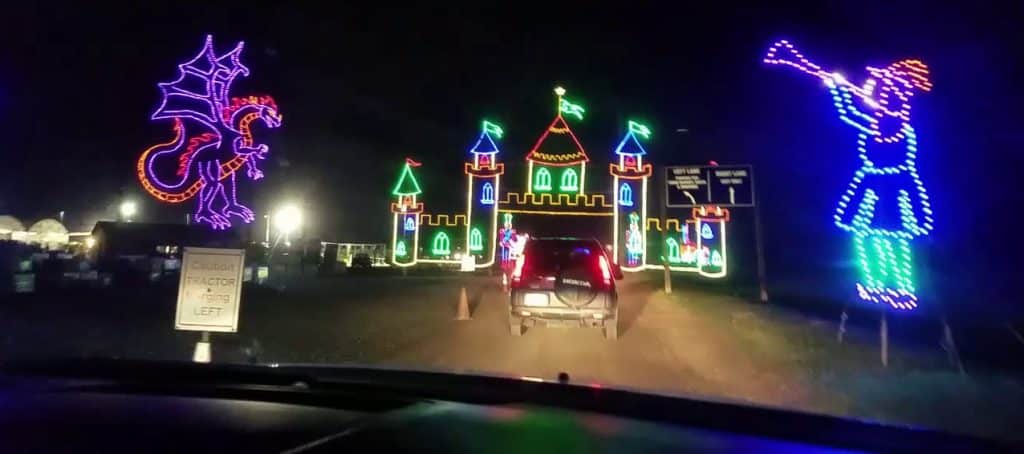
{"x": 606, "y": 270}
{"x": 517, "y": 273}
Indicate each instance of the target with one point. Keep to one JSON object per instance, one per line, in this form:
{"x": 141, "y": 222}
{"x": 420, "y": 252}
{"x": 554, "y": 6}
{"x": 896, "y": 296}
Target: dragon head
{"x": 265, "y": 107}
{"x": 269, "y": 113}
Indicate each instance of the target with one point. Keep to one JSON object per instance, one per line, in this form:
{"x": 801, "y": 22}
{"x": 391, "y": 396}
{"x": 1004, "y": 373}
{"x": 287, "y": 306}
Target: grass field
{"x": 920, "y": 386}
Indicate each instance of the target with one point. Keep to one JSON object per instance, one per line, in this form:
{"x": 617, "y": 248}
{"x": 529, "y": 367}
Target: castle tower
{"x": 709, "y": 232}
{"x": 557, "y": 163}
{"x": 405, "y": 230}
{"x": 629, "y": 187}
{"x": 483, "y": 178}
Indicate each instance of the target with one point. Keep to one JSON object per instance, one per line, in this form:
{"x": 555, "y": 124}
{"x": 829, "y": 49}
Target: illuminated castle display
{"x": 556, "y": 187}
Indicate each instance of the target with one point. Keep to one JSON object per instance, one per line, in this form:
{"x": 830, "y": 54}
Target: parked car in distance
{"x": 362, "y": 260}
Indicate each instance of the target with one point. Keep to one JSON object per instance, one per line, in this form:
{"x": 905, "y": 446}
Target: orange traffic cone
{"x": 463, "y": 311}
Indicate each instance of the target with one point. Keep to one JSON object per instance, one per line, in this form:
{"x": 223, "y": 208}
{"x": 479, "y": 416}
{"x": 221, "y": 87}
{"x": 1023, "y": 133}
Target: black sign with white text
{"x": 726, "y": 186}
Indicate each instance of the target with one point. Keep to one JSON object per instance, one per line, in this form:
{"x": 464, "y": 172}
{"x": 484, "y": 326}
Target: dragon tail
{"x": 147, "y": 183}
{"x": 226, "y": 168}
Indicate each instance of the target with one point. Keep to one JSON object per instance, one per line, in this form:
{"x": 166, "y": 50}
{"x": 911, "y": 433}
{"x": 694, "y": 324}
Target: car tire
{"x": 515, "y": 326}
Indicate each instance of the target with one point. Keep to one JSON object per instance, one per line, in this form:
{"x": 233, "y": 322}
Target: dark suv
{"x": 567, "y": 281}
{"x": 362, "y": 260}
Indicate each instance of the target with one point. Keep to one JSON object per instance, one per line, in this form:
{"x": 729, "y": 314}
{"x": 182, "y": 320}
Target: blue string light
{"x": 625, "y": 195}
{"x": 487, "y": 194}
{"x": 706, "y": 233}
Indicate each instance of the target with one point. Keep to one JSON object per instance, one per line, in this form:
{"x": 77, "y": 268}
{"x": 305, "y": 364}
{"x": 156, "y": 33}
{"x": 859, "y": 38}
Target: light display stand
{"x": 483, "y": 185}
{"x": 629, "y": 182}
{"x": 879, "y": 111}
{"x": 212, "y": 141}
{"x": 405, "y": 230}
{"x": 887, "y": 180}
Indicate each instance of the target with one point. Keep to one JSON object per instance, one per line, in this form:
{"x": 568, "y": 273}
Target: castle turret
{"x": 405, "y": 212}
{"x": 709, "y": 232}
{"x": 557, "y": 163}
{"x": 483, "y": 179}
{"x": 629, "y": 183}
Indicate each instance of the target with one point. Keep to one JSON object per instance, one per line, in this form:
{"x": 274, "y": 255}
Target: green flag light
{"x": 493, "y": 129}
{"x": 639, "y": 129}
{"x": 572, "y": 109}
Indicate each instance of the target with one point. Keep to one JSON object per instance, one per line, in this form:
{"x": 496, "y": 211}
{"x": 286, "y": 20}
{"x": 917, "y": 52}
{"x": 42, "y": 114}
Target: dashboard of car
{"x": 202, "y": 409}
{"x": 90, "y": 421}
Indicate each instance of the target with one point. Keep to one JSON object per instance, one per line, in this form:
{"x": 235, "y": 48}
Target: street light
{"x": 128, "y": 209}
{"x": 288, "y": 219}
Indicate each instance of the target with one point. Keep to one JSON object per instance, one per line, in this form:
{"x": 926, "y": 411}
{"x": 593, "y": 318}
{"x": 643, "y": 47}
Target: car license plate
{"x": 535, "y": 299}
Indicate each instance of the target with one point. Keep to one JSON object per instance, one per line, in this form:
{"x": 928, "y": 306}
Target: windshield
{"x": 805, "y": 206}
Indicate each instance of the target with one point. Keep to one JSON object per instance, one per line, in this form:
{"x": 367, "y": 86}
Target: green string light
{"x": 493, "y": 129}
{"x": 639, "y": 129}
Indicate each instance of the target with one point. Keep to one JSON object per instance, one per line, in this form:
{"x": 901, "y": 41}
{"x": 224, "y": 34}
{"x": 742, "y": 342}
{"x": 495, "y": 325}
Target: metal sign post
{"x": 724, "y": 186}
{"x": 762, "y": 279}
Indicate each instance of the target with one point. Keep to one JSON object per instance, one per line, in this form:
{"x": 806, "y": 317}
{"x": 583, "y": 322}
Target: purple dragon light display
{"x": 212, "y": 138}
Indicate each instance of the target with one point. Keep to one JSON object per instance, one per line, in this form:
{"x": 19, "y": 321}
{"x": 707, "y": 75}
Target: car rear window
{"x": 550, "y": 255}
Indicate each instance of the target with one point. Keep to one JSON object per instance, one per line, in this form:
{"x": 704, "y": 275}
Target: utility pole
{"x": 762, "y": 279}
{"x": 266, "y": 238}
{"x": 664, "y": 229}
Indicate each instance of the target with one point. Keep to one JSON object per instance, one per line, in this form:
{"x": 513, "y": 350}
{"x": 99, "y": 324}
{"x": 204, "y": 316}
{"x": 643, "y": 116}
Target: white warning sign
{"x": 210, "y": 290}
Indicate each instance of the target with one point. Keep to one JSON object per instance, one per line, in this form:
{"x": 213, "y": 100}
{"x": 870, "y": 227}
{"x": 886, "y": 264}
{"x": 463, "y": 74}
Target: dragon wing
{"x": 201, "y": 90}
{"x": 229, "y": 66}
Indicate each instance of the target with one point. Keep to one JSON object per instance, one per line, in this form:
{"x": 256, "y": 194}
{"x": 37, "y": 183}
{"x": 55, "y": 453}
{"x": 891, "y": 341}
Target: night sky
{"x": 361, "y": 88}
